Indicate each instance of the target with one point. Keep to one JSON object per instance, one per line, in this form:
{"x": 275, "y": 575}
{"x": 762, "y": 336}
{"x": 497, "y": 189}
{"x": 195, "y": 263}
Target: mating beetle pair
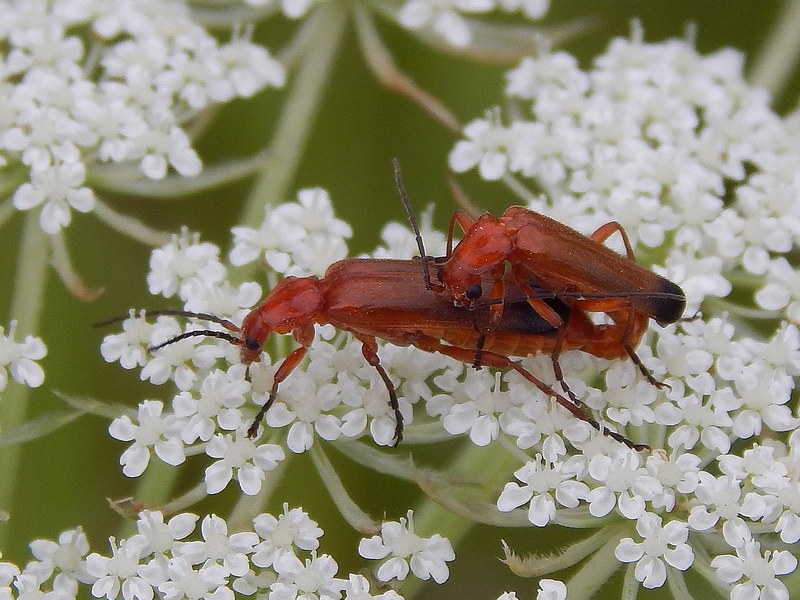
{"x": 474, "y": 308}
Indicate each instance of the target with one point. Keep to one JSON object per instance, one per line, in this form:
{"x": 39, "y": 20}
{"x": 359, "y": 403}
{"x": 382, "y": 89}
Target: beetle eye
{"x": 473, "y": 291}
{"x": 252, "y": 344}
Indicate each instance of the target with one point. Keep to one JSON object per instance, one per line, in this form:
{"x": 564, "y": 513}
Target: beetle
{"x": 387, "y": 299}
{"x": 580, "y": 270}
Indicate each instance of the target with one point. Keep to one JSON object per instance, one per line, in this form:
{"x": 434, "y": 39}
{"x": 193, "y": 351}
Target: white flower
{"x": 65, "y": 557}
{"x": 764, "y": 394}
{"x": 153, "y": 430}
{"x": 723, "y": 498}
{"x": 628, "y": 401}
{"x": 659, "y": 545}
{"x": 696, "y": 420}
{"x": 427, "y": 556}
{"x": 221, "y": 395}
{"x": 130, "y": 346}
{"x": 755, "y": 572}
{"x": 371, "y": 406}
{"x": 57, "y": 188}
{"x": 208, "y": 582}
{"x": 485, "y": 147}
{"x": 305, "y": 406}
{"x": 676, "y": 472}
{"x": 184, "y": 259}
{"x": 19, "y": 358}
{"x": 625, "y": 483}
{"x": 316, "y": 578}
{"x": 304, "y": 234}
{"x": 242, "y": 459}
{"x": 120, "y": 572}
{"x": 540, "y": 480}
{"x": 217, "y": 546}
{"x": 478, "y": 413}
{"x": 182, "y": 361}
{"x": 550, "y": 589}
{"x": 160, "y": 537}
{"x": 292, "y": 529}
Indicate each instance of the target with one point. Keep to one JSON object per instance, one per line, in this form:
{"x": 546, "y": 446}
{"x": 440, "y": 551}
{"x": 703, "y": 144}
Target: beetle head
{"x": 294, "y": 303}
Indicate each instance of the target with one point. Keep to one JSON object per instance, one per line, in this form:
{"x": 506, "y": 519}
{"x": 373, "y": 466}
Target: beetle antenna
{"x": 174, "y": 313}
{"x": 413, "y": 220}
{"x": 197, "y": 333}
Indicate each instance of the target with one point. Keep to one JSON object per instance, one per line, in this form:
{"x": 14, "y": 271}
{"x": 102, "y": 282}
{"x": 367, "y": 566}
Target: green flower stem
{"x": 248, "y": 507}
{"x": 599, "y": 568}
{"x": 352, "y": 513}
{"x": 327, "y": 24}
{"x": 777, "y": 59}
{"x": 26, "y": 308}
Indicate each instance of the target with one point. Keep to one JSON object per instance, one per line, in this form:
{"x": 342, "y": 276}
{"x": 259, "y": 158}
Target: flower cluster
{"x": 702, "y": 174}
{"x": 20, "y": 358}
{"x": 123, "y": 94}
{"x": 273, "y": 556}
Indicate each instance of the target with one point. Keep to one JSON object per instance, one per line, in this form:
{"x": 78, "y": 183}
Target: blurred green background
{"x": 66, "y": 477}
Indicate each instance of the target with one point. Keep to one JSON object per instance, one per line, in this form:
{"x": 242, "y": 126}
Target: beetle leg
{"x": 632, "y": 322}
{"x": 606, "y": 231}
{"x": 369, "y": 348}
{"x": 464, "y": 221}
{"x": 501, "y": 361}
{"x": 287, "y": 366}
{"x": 476, "y": 364}
{"x": 535, "y": 299}
{"x": 559, "y": 373}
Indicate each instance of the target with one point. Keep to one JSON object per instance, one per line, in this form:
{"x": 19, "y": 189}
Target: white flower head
{"x": 180, "y": 262}
{"x": 543, "y": 484}
{"x": 659, "y": 544}
{"x": 550, "y": 589}
{"x": 292, "y": 529}
{"x": 120, "y": 573}
{"x": 755, "y": 574}
{"x": 160, "y": 537}
{"x": 427, "y": 557}
{"x": 154, "y": 430}
{"x": 217, "y": 546}
{"x": 241, "y": 458}
{"x": 65, "y": 557}
{"x": 57, "y": 189}
{"x": 314, "y": 578}
{"x": 304, "y": 235}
